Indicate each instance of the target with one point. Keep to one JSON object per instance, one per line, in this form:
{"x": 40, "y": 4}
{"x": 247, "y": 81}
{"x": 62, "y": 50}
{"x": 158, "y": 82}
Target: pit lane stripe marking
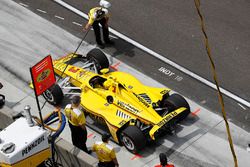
{"x": 90, "y": 135}
{"x": 112, "y": 36}
{"x": 77, "y": 24}
{"x": 115, "y": 66}
{"x": 59, "y": 17}
{"x": 196, "y": 112}
{"x": 160, "y": 57}
{"x": 244, "y": 108}
{"x": 42, "y": 11}
{"x": 136, "y": 156}
{"x": 24, "y": 5}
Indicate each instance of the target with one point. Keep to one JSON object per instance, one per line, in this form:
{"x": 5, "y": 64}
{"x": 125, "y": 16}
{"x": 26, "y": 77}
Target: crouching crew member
{"x": 105, "y": 152}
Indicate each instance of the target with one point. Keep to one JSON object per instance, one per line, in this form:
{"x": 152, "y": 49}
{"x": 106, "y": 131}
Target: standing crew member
{"x": 164, "y": 161}
{"x": 105, "y": 152}
{"x": 76, "y": 120}
{"x": 100, "y": 15}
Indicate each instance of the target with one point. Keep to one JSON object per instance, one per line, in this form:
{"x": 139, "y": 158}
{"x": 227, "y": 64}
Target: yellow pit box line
{"x": 164, "y": 120}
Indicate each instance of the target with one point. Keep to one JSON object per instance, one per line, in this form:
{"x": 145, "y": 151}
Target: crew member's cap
{"x": 104, "y": 4}
{"x": 105, "y": 137}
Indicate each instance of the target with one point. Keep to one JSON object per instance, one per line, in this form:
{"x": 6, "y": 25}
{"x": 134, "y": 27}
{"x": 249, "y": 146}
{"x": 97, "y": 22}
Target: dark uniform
{"x": 76, "y": 120}
{"x": 164, "y": 161}
{"x": 99, "y": 15}
{"x": 168, "y": 165}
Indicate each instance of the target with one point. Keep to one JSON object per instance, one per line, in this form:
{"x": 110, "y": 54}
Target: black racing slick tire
{"x": 54, "y": 95}
{"x": 2, "y": 100}
{"x": 133, "y": 139}
{"x": 176, "y": 101}
{"x": 99, "y": 58}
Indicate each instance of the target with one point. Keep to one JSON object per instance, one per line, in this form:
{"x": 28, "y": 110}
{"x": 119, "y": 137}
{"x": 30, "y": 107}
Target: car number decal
{"x": 74, "y": 69}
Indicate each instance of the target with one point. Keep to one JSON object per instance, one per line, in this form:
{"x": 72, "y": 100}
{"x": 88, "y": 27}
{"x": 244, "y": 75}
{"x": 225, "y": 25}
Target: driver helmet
{"x": 107, "y": 84}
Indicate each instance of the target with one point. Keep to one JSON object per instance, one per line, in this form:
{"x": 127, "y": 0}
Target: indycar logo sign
{"x": 43, "y": 75}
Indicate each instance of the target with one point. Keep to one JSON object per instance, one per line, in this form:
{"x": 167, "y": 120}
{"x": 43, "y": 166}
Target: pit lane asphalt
{"x": 26, "y": 38}
{"x": 172, "y": 29}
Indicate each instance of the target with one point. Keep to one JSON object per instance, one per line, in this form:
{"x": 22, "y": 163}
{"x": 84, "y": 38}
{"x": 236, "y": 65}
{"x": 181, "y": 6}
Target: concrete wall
{"x": 68, "y": 155}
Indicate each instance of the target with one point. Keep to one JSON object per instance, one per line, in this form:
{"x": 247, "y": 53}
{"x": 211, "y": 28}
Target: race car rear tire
{"x": 99, "y": 58}
{"x": 54, "y": 95}
{"x": 176, "y": 101}
{"x": 133, "y": 139}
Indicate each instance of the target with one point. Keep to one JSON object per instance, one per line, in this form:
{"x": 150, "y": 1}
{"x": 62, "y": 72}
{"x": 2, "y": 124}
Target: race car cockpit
{"x": 108, "y": 84}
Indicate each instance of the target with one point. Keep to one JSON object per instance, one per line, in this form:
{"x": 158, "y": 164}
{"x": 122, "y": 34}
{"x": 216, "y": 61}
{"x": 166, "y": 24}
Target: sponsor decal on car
{"x": 141, "y": 100}
{"x": 129, "y": 107}
{"x": 123, "y": 122}
{"x": 74, "y": 69}
{"x": 122, "y": 114}
{"x": 164, "y": 92}
{"x": 167, "y": 118}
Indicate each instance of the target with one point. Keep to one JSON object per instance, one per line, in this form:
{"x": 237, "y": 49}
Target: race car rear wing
{"x": 165, "y": 120}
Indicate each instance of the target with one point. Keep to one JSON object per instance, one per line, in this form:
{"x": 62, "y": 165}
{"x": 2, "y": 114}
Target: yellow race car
{"x": 133, "y": 112}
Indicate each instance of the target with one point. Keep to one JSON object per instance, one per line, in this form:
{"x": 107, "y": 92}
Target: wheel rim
{"x": 48, "y": 95}
{"x": 128, "y": 143}
{"x": 96, "y": 64}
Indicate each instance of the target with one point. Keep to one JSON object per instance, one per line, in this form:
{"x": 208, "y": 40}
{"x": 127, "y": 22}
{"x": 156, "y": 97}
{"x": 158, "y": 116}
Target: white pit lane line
{"x": 78, "y": 24}
{"x": 42, "y": 11}
{"x": 24, "y": 5}
{"x": 59, "y": 17}
{"x": 160, "y": 57}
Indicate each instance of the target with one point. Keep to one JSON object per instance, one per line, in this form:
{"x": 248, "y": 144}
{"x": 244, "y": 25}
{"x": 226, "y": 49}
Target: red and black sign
{"x": 43, "y": 75}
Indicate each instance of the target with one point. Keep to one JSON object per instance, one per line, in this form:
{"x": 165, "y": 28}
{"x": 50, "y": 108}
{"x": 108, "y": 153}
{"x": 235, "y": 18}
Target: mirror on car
{"x": 104, "y": 71}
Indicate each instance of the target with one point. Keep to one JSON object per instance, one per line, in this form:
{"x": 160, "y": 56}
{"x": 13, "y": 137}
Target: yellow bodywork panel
{"x": 164, "y": 120}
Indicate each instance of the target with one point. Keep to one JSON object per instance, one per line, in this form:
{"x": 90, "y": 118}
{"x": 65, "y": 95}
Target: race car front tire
{"x": 176, "y": 101}
{"x": 133, "y": 139}
{"x": 99, "y": 58}
{"x": 54, "y": 95}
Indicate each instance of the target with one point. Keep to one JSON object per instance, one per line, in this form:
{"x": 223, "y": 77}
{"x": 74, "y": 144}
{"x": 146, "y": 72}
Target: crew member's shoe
{"x": 101, "y": 45}
{"x": 89, "y": 151}
{"x": 109, "y": 42}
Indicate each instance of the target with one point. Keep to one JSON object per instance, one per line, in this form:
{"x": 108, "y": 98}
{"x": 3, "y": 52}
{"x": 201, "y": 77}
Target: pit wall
{"x": 67, "y": 154}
